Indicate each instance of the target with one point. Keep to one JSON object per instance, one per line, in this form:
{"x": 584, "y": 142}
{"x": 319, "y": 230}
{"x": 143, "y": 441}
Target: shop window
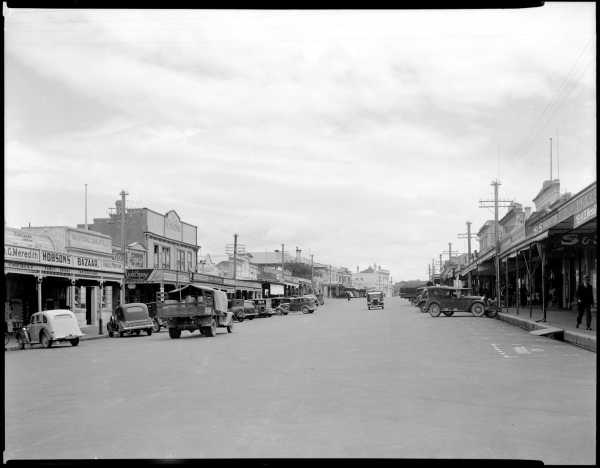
{"x": 189, "y": 261}
{"x": 77, "y": 297}
{"x": 180, "y": 260}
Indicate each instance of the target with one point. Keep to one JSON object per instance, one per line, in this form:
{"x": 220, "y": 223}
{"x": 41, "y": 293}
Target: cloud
{"x": 362, "y": 136}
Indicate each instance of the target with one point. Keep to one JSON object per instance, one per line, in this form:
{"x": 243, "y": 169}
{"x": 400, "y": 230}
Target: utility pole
{"x": 282, "y": 267}
{"x": 329, "y": 286}
{"x": 86, "y": 224}
{"x": 312, "y": 282}
{"x": 496, "y": 204}
{"x": 123, "y": 240}
{"x": 468, "y": 236}
{"x": 429, "y": 271}
{"x": 235, "y": 236}
{"x": 550, "y": 158}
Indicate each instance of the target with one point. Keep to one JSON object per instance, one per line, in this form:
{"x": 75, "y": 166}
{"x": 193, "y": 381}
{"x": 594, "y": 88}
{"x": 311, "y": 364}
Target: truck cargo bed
{"x": 172, "y": 309}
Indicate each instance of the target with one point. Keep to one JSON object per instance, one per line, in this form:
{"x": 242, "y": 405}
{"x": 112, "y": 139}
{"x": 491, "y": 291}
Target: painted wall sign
{"x": 173, "y": 229}
{"x": 207, "y": 278}
{"x": 81, "y": 240}
{"x": 584, "y": 216}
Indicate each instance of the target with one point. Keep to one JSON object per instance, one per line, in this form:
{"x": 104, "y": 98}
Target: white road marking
{"x": 521, "y": 350}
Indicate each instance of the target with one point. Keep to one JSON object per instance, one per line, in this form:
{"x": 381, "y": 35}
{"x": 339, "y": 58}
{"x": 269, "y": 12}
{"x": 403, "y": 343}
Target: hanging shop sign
{"x": 585, "y": 215}
{"x": 50, "y": 257}
{"x": 578, "y": 239}
{"x": 138, "y": 274}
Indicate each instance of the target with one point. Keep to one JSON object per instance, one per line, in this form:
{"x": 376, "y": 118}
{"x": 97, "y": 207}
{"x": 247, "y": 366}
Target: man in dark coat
{"x": 585, "y": 300}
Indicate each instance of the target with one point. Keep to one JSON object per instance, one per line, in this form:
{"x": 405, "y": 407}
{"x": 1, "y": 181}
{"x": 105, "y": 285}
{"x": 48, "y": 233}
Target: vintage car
{"x": 130, "y": 319}
{"x": 375, "y": 300}
{"x": 263, "y": 307}
{"x": 281, "y": 305}
{"x": 242, "y": 309}
{"x": 49, "y": 327}
{"x": 301, "y": 304}
{"x": 448, "y": 300}
{"x": 421, "y": 298}
{"x": 314, "y": 298}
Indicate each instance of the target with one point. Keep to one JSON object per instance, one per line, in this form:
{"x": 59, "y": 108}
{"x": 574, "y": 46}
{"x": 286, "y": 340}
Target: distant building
{"x": 374, "y": 277}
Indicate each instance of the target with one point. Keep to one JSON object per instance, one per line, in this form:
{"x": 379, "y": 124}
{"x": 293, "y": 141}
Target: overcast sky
{"x": 358, "y": 136}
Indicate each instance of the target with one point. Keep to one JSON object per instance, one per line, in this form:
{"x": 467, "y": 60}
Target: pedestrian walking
{"x": 348, "y": 295}
{"x": 585, "y": 300}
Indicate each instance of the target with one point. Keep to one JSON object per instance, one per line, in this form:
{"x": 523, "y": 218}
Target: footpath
{"x": 559, "y": 324}
{"x": 90, "y": 333}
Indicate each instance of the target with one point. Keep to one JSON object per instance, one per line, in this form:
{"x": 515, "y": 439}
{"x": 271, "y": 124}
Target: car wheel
{"x": 174, "y": 333}
{"x": 477, "y": 309}
{"x": 240, "y": 318}
{"x": 121, "y": 334}
{"x": 156, "y": 326}
{"x": 448, "y": 313}
{"x": 305, "y": 310}
{"x": 492, "y": 311}
{"x": 212, "y": 330}
{"x": 45, "y": 340}
{"x": 74, "y": 342}
{"x": 434, "y": 310}
{"x": 149, "y": 331}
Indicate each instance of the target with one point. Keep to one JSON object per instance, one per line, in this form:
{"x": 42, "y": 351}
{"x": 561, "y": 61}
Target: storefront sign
{"x": 578, "y": 239}
{"x": 50, "y": 257}
{"x": 137, "y": 275}
{"x": 21, "y": 253}
{"x": 207, "y": 278}
{"x": 571, "y": 208}
{"x": 584, "y": 216}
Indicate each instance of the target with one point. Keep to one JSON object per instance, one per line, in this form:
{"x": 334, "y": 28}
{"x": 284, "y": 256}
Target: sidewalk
{"x": 565, "y": 320}
{"x": 90, "y": 333}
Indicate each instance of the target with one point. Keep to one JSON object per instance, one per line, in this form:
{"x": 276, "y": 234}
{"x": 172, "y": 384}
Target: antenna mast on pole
{"x": 550, "y": 158}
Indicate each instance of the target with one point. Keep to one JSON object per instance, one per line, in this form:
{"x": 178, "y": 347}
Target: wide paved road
{"x": 344, "y": 382}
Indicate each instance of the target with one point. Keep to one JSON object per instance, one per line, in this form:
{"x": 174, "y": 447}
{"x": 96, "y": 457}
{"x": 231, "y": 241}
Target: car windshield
{"x": 134, "y": 313}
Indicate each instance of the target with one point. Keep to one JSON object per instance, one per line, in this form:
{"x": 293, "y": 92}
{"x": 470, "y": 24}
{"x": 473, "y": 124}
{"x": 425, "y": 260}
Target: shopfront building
{"x": 54, "y": 267}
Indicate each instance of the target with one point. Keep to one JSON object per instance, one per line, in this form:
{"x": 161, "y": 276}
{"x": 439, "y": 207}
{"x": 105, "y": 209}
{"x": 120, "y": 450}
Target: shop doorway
{"x": 88, "y": 304}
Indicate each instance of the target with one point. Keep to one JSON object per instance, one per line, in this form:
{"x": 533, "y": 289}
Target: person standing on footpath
{"x": 585, "y": 301}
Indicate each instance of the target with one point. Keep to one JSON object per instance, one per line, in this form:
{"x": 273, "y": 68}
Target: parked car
{"x": 129, "y": 319}
{"x": 314, "y": 298}
{"x": 375, "y": 300}
{"x": 49, "y": 327}
{"x": 448, "y": 300}
{"x": 281, "y": 305}
{"x": 262, "y": 307}
{"x": 301, "y": 304}
{"x": 242, "y": 309}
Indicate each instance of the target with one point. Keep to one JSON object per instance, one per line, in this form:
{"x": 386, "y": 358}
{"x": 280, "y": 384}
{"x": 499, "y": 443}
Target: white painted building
{"x": 374, "y": 277}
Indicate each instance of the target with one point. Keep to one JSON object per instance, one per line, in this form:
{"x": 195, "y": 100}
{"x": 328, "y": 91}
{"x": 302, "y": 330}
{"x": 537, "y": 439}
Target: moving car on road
{"x": 49, "y": 327}
{"x": 375, "y": 300}
{"x": 448, "y": 300}
{"x": 129, "y": 319}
